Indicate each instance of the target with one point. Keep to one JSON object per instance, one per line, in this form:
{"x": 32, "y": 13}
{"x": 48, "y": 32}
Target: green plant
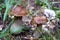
{"x": 5, "y": 32}
{"x": 8, "y": 7}
{"x": 58, "y": 15}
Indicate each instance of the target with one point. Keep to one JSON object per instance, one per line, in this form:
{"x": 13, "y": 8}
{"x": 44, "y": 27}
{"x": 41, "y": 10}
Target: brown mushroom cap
{"x": 18, "y": 11}
{"x": 39, "y": 20}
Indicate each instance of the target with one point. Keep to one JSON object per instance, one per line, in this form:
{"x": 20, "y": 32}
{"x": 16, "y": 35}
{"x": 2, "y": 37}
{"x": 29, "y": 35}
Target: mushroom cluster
{"x": 30, "y": 16}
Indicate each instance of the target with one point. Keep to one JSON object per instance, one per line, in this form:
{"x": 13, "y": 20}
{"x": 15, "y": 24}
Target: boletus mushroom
{"x": 18, "y": 11}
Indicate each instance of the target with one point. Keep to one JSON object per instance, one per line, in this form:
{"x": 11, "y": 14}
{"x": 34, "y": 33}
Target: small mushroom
{"x": 19, "y": 10}
{"x": 39, "y": 19}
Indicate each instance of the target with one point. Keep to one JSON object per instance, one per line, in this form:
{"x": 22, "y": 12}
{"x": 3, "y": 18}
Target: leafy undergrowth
{"x": 18, "y": 20}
